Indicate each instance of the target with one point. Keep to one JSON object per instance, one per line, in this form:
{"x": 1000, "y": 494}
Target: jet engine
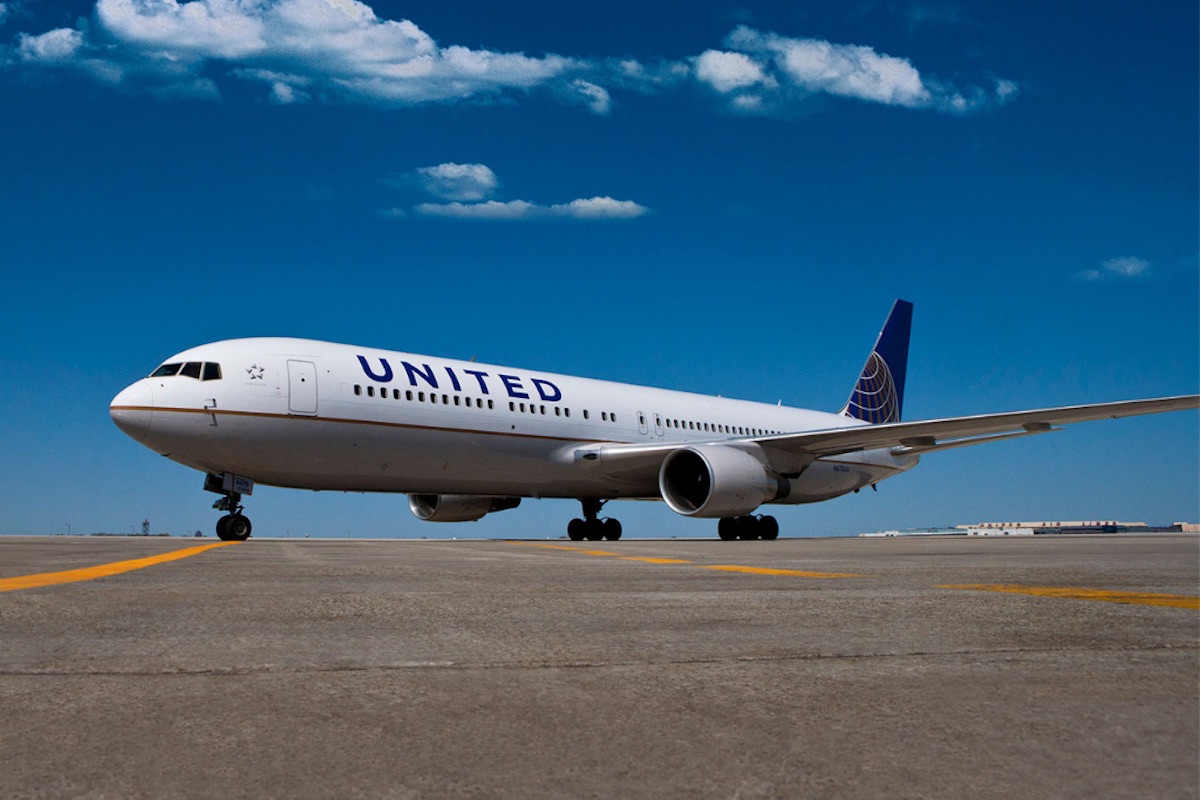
{"x": 717, "y": 481}
{"x": 457, "y": 507}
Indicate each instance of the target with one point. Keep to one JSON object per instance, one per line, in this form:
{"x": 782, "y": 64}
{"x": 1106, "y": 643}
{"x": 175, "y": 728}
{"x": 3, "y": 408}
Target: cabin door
{"x": 302, "y": 387}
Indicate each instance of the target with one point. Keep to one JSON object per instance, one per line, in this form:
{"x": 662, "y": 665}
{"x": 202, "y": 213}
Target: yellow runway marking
{"x": 1101, "y": 595}
{"x": 100, "y": 571}
{"x": 795, "y": 573}
{"x": 772, "y": 571}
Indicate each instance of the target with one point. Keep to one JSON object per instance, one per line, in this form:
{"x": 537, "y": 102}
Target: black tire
{"x": 237, "y": 528}
{"x": 748, "y": 528}
{"x": 769, "y": 528}
{"x": 727, "y": 529}
{"x": 594, "y": 530}
{"x": 612, "y": 529}
{"x": 575, "y": 530}
{"x": 222, "y": 524}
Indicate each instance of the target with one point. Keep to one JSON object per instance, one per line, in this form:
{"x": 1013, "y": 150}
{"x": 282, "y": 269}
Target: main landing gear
{"x": 748, "y": 527}
{"x": 591, "y": 527}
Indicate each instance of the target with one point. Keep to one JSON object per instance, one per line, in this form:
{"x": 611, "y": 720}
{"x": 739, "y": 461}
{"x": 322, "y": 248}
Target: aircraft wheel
{"x": 237, "y": 528}
{"x": 575, "y": 530}
{"x": 594, "y": 531}
{"x": 612, "y": 529}
{"x": 768, "y": 527}
{"x": 747, "y": 527}
{"x": 727, "y": 528}
{"x": 222, "y": 523}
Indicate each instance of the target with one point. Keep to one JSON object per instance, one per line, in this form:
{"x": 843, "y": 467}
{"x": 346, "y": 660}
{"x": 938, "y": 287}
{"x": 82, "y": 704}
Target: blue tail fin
{"x": 878, "y": 395}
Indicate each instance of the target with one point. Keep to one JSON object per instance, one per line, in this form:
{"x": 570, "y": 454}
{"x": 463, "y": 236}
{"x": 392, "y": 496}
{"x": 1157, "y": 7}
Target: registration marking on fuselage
{"x": 795, "y": 573}
{"x": 100, "y": 570}
{"x": 1100, "y": 595}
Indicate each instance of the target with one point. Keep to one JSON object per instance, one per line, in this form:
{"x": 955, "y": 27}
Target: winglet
{"x": 878, "y": 395}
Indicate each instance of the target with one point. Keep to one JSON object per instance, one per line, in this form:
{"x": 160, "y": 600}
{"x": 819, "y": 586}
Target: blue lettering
{"x": 548, "y": 391}
{"x": 425, "y": 375}
{"x": 513, "y": 384}
{"x": 479, "y": 376}
{"x": 454, "y": 380}
{"x": 387, "y": 370}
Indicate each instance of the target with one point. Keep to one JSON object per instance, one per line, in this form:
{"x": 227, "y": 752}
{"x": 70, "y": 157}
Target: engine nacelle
{"x": 457, "y": 507}
{"x": 717, "y": 481}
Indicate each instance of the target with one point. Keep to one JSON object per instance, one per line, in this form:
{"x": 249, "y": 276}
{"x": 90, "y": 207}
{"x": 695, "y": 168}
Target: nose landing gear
{"x": 233, "y": 527}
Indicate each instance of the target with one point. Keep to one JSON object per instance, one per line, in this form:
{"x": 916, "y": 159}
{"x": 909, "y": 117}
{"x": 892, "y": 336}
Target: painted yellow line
{"x": 772, "y": 571}
{"x": 100, "y": 571}
{"x": 795, "y": 573}
{"x": 1101, "y": 595}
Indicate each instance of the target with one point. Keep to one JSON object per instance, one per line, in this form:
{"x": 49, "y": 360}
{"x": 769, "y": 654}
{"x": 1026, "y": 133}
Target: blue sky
{"x": 708, "y": 196}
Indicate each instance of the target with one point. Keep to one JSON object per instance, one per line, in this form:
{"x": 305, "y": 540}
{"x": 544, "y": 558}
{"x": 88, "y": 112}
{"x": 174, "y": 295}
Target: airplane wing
{"x": 791, "y": 452}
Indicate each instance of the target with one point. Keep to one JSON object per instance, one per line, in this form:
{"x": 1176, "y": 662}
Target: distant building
{"x": 1074, "y": 526}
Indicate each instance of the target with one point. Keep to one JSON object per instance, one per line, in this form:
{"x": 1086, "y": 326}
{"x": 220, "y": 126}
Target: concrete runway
{"x": 402, "y": 669}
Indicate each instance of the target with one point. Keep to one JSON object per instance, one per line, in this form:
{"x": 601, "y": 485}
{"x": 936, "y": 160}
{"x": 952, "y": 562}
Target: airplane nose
{"x": 133, "y": 410}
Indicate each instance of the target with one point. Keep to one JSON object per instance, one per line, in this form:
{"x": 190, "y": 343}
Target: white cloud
{"x": 3, "y": 12}
{"x": 1126, "y": 267}
{"x": 851, "y": 71}
{"x": 1122, "y": 268}
{"x": 600, "y": 208}
{"x": 53, "y": 47}
{"x": 761, "y": 72}
{"x": 340, "y": 50}
{"x": 458, "y": 181}
{"x": 492, "y": 210}
{"x": 726, "y": 72}
{"x": 593, "y": 96}
{"x": 595, "y": 208}
{"x": 468, "y": 186}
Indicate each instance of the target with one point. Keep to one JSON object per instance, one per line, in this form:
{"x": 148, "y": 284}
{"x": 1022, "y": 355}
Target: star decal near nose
{"x": 256, "y": 372}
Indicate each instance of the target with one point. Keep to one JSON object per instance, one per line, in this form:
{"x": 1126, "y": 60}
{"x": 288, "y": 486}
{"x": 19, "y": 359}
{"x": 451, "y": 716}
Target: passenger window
{"x": 166, "y": 371}
{"x": 370, "y": 391}
{"x": 604, "y": 416}
{"x": 567, "y": 411}
{"x": 586, "y": 415}
{"x": 420, "y": 397}
{"x": 408, "y": 395}
{"x": 191, "y": 370}
{"x": 433, "y": 398}
{"x": 357, "y": 390}
{"x": 212, "y": 372}
{"x": 491, "y": 403}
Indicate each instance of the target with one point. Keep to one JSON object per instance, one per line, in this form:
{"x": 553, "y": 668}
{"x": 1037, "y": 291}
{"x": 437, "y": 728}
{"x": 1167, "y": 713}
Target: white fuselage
{"x": 317, "y": 415}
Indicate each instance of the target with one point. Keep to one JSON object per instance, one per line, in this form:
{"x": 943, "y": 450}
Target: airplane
{"x": 463, "y": 439}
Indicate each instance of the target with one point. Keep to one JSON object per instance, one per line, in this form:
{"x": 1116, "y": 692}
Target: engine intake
{"x": 457, "y": 507}
{"x": 717, "y": 481}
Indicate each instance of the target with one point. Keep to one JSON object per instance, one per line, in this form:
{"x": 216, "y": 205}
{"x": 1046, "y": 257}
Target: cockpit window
{"x": 206, "y": 371}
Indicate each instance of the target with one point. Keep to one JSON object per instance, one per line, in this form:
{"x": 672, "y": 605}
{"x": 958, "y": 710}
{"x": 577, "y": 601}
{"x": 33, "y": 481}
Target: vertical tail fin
{"x": 878, "y": 395}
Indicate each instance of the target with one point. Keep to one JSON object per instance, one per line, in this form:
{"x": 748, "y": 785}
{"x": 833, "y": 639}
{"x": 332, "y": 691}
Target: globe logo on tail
{"x": 874, "y": 398}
